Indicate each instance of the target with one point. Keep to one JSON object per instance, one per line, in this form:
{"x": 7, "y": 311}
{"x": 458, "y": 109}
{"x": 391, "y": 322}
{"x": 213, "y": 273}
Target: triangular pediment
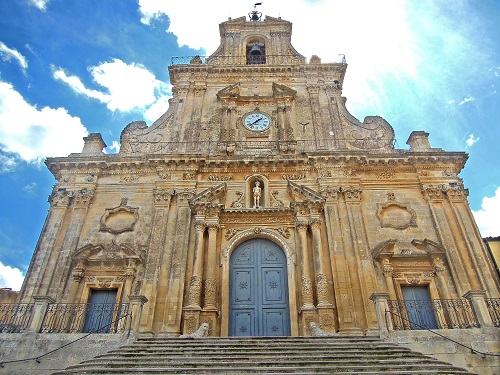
{"x": 399, "y": 248}
{"x": 231, "y": 91}
{"x": 213, "y": 194}
{"x": 108, "y": 252}
{"x": 280, "y": 91}
{"x": 303, "y": 194}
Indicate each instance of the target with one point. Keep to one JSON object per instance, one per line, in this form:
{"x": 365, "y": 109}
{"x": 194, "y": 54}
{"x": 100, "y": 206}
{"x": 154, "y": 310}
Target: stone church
{"x": 259, "y": 205}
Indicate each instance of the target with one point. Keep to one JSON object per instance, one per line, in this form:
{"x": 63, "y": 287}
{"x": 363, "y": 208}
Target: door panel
{"x": 419, "y": 307}
{"x": 258, "y": 290}
{"x": 100, "y": 310}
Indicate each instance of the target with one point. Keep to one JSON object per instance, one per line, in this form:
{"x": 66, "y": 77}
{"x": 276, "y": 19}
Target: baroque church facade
{"x": 258, "y": 204}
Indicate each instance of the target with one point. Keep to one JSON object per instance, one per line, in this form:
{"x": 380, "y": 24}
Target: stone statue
{"x": 256, "y": 194}
{"x": 317, "y": 331}
{"x": 199, "y": 333}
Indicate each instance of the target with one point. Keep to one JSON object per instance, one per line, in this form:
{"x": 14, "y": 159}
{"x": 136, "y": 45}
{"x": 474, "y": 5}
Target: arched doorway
{"x": 258, "y": 290}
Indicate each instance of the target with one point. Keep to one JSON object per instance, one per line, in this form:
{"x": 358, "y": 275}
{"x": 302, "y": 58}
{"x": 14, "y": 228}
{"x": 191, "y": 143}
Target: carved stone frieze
{"x": 238, "y": 203}
{"x": 220, "y": 178}
{"x": 295, "y": 176}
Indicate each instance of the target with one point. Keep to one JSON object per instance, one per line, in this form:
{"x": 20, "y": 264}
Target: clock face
{"x": 257, "y": 122}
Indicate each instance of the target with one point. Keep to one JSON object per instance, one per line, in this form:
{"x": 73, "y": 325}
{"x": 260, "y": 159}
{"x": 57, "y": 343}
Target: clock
{"x": 257, "y": 121}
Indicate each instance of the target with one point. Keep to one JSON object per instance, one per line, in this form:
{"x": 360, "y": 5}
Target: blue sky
{"x": 72, "y": 67}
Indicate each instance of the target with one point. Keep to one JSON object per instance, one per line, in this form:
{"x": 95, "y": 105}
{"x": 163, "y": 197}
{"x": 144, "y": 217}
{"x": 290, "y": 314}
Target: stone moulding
{"x": 396, "y": 215}
{"x": 119, "y": 219}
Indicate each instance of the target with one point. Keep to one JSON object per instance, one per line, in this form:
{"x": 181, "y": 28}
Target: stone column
{"x": 384, "y": 319}
{"x": 81, "y": 200}
{"x": 53, "y": 227}
{"x": 387, "y": 271}
{"x": 211, "y": 281}
{"x": 136, "y": 307}
{"x": 333, "y": 92}
{"x": 158, "y": 262}
{"x": 78, "y": 274}
{"x": 443, "y": 285}
{"x": 476, "y": 299}
{"x": 317, "y": 125}
{"x": 129, "y": 277}
{"x": 197, "y": 277}
{"x": 321, "y": 279}
{"x": 307, "y": 292}
{"x": 39, "y": 311}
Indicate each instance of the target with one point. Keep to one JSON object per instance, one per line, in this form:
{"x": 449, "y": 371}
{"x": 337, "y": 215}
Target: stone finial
{"x": 419, "y": 141}
{"x": 315, "y": 59}
{"x": 93, "y": 144}
{"x": 199, "y": 333}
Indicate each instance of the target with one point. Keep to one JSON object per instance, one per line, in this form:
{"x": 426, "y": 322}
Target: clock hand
{"x": 256, "y": 121}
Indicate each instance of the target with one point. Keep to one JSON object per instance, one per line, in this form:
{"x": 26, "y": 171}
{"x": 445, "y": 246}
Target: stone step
{"x": 284, "y": 355}
{"x": 223, "y": 370}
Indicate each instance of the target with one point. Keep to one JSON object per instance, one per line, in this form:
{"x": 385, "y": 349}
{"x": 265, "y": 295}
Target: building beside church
{"x": 258, "y": 204}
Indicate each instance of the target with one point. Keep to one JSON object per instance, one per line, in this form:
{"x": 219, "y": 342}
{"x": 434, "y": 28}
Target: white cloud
{"x": 115, "y": 146}
{"x": 487, "y": 216}
{"x": 10, "y": 277}
{"x": 30, "y": 188}
{"x": 471, "y": 140}
{"x": 466, "y": 100}
{"x": 158, "y": 108}
{"x": 40, "y": 4}
{"x": 34, "y": 133}
{"x": 127, "y": 87}
{"x": 7, "y": 54}
{"x": 8, "y": 163}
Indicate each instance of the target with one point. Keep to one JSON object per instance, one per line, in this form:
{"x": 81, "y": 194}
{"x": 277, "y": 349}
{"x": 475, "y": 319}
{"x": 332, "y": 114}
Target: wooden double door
{"x": 258, "y": 290}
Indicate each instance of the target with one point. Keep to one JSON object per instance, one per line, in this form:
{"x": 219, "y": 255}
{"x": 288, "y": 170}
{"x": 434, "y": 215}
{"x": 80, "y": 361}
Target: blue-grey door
{"x": 258, "y": 290}
{"x": 100, "y": 310}
{"x": 419, "y": 307}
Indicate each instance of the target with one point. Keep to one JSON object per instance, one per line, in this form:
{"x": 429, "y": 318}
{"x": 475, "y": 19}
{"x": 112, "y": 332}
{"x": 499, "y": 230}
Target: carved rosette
{"x": 307, "y": 292}
{"x": 195, "y": 291}
{"x": 322, "y": 287}
{"x": 210, "y": 292}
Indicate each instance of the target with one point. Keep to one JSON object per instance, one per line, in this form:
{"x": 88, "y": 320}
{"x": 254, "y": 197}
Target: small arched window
{"x": 256, "y": 52}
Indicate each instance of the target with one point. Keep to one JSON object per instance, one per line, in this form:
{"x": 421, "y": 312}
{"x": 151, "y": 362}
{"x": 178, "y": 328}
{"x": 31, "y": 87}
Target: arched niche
{"x": 255, "y": 50}
{"x": 264, "y": 186}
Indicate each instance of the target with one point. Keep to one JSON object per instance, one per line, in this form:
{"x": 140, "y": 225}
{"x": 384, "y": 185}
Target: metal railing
{"x": 242, "y": 60}
{"x": 15, "y": 317}
{"x": 493, "y": 305}
{"x": 81, "y": 317}
{"x": 432, "y": 314}
{"x": 256, "y": 148}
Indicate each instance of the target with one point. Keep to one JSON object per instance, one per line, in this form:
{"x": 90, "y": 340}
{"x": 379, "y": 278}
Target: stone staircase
{"x": 263, "y": 355}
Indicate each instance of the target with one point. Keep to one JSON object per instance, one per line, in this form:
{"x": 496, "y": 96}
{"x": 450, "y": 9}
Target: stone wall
{"x": 16, "y": 346}
{"x": 486, "y": 340}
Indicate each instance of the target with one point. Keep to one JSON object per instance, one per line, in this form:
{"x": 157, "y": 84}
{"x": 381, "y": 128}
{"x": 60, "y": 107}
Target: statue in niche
{"x": 257, "y": 191}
